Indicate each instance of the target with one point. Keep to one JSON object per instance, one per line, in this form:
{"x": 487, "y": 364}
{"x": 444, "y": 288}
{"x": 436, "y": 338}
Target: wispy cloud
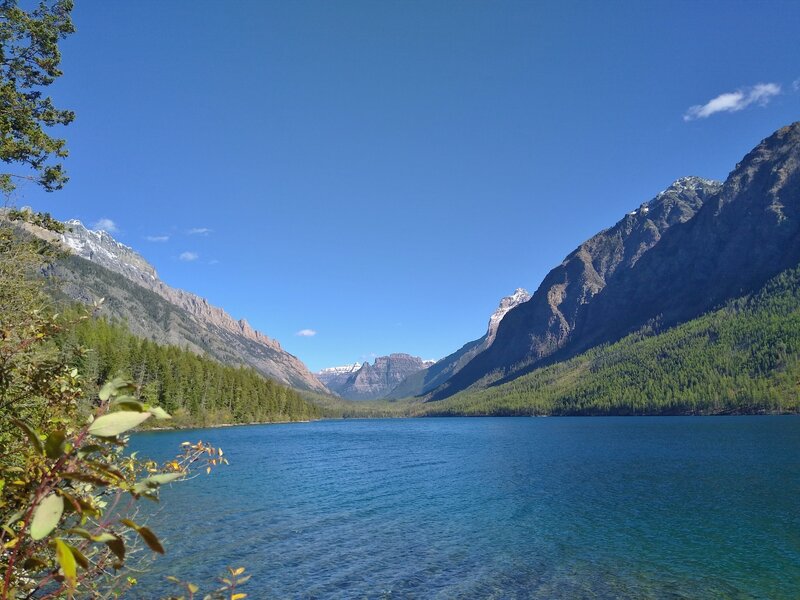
{"x": 106, "y": 224}
{"x": 213, "y": 261}
{"x": 189, "y": 256}
{"x": 157, "y": 238}
{"x": 759, "y": 94}
{"x": 199, "y": 231}
{"x": 796, "y": 85}
{"x": 306, "y": 333}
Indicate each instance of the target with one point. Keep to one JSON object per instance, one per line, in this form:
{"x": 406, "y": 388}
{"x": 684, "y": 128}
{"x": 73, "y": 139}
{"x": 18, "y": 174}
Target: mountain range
{"x": 96, "y": 266}
{"x": 685, "y": 252}
{"x": 372, "y": 382}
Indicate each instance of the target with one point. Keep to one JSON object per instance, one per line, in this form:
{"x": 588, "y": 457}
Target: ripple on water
{"x": 493, "y": 508}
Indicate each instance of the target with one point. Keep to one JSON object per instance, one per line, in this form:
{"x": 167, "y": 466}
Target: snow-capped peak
{"x": 343, "y": 369}
{"x": 519, "y": 296}
{"x": 691, "y": 182}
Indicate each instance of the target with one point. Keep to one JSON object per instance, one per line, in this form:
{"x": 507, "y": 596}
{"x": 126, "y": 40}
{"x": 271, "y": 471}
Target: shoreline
{"x": 693, "y": 415}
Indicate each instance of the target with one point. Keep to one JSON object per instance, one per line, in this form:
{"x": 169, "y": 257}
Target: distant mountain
{"x": 691, "y": 248}
{"x": 98, "y": 266}
{"x": 334, "y": 378}
{"x": 371, "y": 382}
{"x": 421, "y": 382}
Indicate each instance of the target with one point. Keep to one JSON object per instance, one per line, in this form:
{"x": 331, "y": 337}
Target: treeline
{"x": 742, "y": 358}
{"x": 195, "y": 390}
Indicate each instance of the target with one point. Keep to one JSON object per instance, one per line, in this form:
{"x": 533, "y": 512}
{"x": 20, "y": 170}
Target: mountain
{"x": 421, "y": 382}
{"x": 371, "y": 382}
{"x": 334, "y": 378}
{"x": 691, "y": 248}
{"x": 743, "y": 358}
{"x": 97, "y": 266}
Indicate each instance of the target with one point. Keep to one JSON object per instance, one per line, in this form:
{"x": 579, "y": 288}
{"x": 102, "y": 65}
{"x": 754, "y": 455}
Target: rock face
{"x": 421, "y": 382}
{"x": 371, "y": 382}
{"x": 692, "y": 247}
{"x": 152, "y": 309}
{"x": 334, "y": 378}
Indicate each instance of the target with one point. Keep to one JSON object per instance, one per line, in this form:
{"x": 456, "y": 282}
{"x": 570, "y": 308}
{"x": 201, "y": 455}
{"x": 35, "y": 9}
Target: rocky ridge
{"x": 122, "y": 276}
{"x": 335, "y": 377}
{"x": 371, "y": 382}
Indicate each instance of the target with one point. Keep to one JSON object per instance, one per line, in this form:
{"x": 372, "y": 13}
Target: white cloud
{"x": 796, "y": 85}
{"x": 189, "y": 256}
{"x": 213, "y": 261}
{"x": 306, "y": 333}
{"x": 759, "y": 94}
{"x": 157, "y": 238}
{"x": 106, "y": 225}
{"x": 199, "y": 231}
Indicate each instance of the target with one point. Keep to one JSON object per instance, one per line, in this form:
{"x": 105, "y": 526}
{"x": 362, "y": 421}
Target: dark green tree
{"x": 29, "y": 62}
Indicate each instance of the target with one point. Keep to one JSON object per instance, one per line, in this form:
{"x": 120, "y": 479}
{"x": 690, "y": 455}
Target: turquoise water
{"x": 667, "y": 507}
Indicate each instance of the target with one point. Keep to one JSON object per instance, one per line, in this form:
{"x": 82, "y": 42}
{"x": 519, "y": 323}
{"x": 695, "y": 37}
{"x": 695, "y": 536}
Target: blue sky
{"x": 382, "y": 173}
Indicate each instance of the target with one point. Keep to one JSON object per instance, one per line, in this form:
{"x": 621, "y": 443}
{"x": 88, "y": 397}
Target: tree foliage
{"x": 68, "y": 489}
{"x": 29, "y": 62}
{"x": 196, "y": 390}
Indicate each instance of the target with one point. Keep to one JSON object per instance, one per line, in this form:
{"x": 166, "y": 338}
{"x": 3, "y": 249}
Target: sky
{"x": 357, "y": 178}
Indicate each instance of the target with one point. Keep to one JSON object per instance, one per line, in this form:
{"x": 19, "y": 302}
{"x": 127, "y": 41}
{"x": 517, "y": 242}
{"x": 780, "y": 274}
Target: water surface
{"x": 666, "y": 507}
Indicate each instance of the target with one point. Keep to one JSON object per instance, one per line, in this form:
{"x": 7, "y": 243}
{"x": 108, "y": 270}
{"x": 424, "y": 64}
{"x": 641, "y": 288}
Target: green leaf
{"x": 31, "y": 434}
{"x": 90, "y": 449}
{"x": 54, "y": 446}
{"x": 154, "y": 481}
{"x": 117, "y": 546}
{"x": 73, "y": 503}
{"x": 46, "y": 516}
{"x": 105, "y": 469}
{"x": 34, "y": 563}
{"x": 128, "y": 403}
{"x": 66, "y": 559}
{"x": 129, "y": 523}
{"x": 14, "y": 518}
{"x": 114, "y": 387}
{"x": 80, "y": 558}
{"x": 84, "y": 477}
{"x": 87, "y": 535}
{"x": 146, "y": 534}
{"x": 116, "y": 423}
{"x": 81, "y": 532}
{"x": 150, "y": 539}
{"x": 159, "y": 413}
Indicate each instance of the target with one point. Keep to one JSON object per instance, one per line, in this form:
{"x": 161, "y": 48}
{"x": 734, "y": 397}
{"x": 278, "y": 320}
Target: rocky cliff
{"x": 101, "y": 267}
{"x": 374, "y": 381}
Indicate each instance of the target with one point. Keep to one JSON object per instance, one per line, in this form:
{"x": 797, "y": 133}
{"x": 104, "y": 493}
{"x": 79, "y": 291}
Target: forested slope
{"x": 742, "y": 358}
{"x": 196, "y": 390}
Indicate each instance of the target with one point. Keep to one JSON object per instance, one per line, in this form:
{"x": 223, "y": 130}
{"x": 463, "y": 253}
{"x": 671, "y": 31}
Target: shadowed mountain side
{"x": 541, "y": 326}
{"x": 740, "y": 239}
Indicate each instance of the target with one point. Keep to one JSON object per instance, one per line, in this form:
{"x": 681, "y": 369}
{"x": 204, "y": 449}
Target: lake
{"x": 662, "y": 507}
